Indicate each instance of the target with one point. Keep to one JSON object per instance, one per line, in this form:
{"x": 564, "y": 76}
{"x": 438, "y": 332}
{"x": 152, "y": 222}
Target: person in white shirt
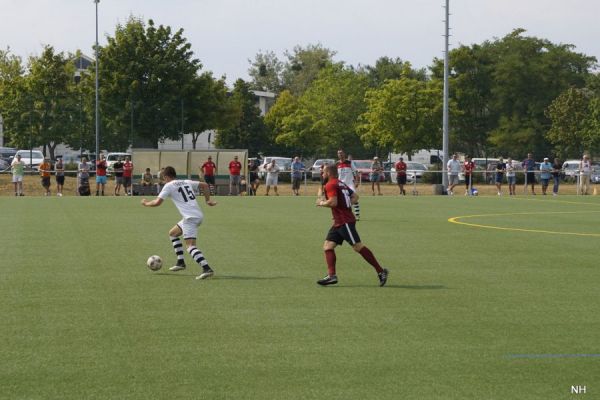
{"x": 347, "y": 173}
{"x": 453, "y": 168}
{"x": 510, "y": 177}
{"x": 18, "y": 171}
{"x": 272, "y": 176}
{"x": 585, "y": 173}
{"x": 182, "y": 194}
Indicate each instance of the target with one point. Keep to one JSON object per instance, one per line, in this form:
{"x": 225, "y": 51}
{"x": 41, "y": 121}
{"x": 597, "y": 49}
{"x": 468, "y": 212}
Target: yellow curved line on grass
{"x": 455, "y": 220}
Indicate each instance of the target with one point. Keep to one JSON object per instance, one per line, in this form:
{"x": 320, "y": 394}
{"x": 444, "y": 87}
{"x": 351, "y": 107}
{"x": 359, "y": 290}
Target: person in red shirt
{"x": 468, "y": 167}
{"x": 127, "y": 174}
{"x": 101, "y": 174}
{"x": 209, "y": 169}
{"x": 235, "y": 169}
{"x": 339, "y": 197}
{"x": 400, "y": 167}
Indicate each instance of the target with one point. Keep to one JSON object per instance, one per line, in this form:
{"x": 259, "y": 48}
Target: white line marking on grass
{"x": 538, "y": 356}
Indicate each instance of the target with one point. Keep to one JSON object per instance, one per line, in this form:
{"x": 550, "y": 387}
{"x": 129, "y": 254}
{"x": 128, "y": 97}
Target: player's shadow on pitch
{"x": 410, "y": 287}
{"x": 234, "y": 277}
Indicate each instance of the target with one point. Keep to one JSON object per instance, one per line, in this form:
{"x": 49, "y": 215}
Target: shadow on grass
{"x": 411, "y": 287}
{"x": 233, "y": 277}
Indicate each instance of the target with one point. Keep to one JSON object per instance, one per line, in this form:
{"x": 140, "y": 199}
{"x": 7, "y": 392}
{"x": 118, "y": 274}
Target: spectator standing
{"x": 119, "y": 180}
{"x": 375, "y": 176}
{"x": 400, "y": 168}
{"x": 59, "y": 169}
{"x": 101, "y": 174}
{"x": 272, "y": 176}
{"x": 500, "y": 171}
{"x": 510, "y": 177}
{"x": 254, "y": 181}
{"x": 17, "y": 167}
{"x": 585, "y": 173}
{"x": 45, "y": 170}
{"x": 453, "y": 166}
{"x": 529, "y": 167}
{"x": 298, "y": 169}
{"x": 127, "y": 174}
{"x": 468, "y": 167}
{"x": 556, "y": 171}
{"x": 235, "y": 169}
{"x": 83, "y": 177}
{"x": 209, "y": 169}
{"x": 545, "y": 174}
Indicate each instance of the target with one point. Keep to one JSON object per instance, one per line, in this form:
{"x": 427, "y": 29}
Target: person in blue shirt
{"x": 529, "y": 167}
{"x": 546, "y": 174}
{"x": 298, "y": 169}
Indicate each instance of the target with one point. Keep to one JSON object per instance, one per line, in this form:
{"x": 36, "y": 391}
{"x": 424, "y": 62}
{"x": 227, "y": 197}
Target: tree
{"x": 325, "y": 115}
{"x": 146, "y": 73}
{"x": 247, "y": 129}
{"x": 11, "y": 95}
{"x": 49, "y": 101}
{"x": 404, "y": 115}
{"x": 574, "y": 126}
{"x": 386, "y": 68}
{"x": 266, "y": 72}
{"x": 303, "y": 66}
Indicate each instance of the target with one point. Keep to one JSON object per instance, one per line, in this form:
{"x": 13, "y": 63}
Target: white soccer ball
{"x": 154, "y": 263}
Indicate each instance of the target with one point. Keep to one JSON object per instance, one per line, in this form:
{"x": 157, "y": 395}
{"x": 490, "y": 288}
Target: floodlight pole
{"x": 445, "y": 149}
{"x": 97, "y": 101}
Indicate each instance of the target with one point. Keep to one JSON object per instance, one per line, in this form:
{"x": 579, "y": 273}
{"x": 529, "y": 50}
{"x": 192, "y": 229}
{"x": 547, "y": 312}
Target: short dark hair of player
{"x": 170, "y": 172}
{"x": 332, "y": 171}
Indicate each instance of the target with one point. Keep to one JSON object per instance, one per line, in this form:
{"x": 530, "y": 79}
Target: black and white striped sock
{"x": 178, "y": 247}
{"x": 198, "y": 256}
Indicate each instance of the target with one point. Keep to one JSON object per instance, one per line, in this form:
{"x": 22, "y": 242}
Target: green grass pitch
{"x": 469, "y": 312}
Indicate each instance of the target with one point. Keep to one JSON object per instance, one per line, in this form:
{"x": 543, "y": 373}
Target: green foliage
{"x": 247, "y": 129}
{"x": 303, "y": 66}
{"x": 11, "y": 95}
{"x": 147, "y": 73}
{"x": 325, "y": 116}
{"x": 569, "y": 114}
{"x": 386, "y": 68}
{"x": 266, "y": 72}
{"x": 404, "y": 115}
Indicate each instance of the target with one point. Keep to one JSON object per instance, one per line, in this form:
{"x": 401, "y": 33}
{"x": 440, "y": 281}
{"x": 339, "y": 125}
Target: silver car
{"x": 315, "y": 170}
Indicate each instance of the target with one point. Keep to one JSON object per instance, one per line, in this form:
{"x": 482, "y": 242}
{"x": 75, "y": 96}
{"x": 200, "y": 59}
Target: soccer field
{"x": 499, "y": 303}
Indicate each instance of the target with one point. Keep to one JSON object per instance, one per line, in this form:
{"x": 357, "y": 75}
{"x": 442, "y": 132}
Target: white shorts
{"x": 272, "y": 180}
{"x": 189, "y": 226}
{"x": 17, "y": 178}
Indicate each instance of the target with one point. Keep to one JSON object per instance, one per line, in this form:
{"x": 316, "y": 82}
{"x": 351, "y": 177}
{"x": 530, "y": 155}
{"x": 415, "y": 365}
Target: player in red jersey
{"x": 209, "y": 168}
{"x": 339, "y": 197}
{"x": 235, "y": 168}
{"x": 468, "y": 167}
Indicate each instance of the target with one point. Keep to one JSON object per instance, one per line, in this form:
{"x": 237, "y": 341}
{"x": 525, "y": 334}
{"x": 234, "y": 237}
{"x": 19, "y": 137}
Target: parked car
{"x": 595, "y": 178}
{"x": 4, "y": 165}
{"x": 284, "y": 163}
{"x": 571, "y": 169}
{"x": 363, "y": 167}
{"x": 31, "y": 158}
{"x": 315, "y": 170}
{"x": 7, "y": 154}
{"x": 414, "y": 170}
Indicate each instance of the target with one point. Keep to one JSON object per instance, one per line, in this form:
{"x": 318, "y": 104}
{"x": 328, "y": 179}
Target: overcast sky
{"x": 226, "y": 33}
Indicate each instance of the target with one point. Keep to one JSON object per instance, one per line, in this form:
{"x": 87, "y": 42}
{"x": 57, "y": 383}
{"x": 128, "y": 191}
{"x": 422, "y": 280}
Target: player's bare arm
{"x": 206, "y": 190}
{"x": 331, "y": 202}
{"x": 152, "y": 203}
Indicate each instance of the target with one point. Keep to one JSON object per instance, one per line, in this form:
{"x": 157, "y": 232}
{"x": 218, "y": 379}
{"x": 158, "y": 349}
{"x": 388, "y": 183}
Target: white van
{"x": 112, "y": 158}
{"x": 571, "y": 169}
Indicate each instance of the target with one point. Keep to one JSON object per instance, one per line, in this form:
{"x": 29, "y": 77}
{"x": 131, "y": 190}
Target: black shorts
{"x": 46, "y": 181}
{"x": 467, "y": 181}
{"x": 401, "y": 179}
{"x": 60, "y": 179}
{"x": 127, "y": 180}
{"x": 209, "y": 179}
{"x": 347, "y": 232}
{"x": 253, "y": 177}
{"x": 530, "y": 178}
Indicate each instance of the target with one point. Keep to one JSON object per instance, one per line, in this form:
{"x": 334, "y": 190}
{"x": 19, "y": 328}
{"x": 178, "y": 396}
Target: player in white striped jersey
{"x": 346, "y": 173}
{"x": 182, "y": 192}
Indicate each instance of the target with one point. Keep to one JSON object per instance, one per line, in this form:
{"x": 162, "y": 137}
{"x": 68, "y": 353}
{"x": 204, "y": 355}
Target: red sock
{"x": 370, "y": 258}
{"x": 330, "y": 258}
